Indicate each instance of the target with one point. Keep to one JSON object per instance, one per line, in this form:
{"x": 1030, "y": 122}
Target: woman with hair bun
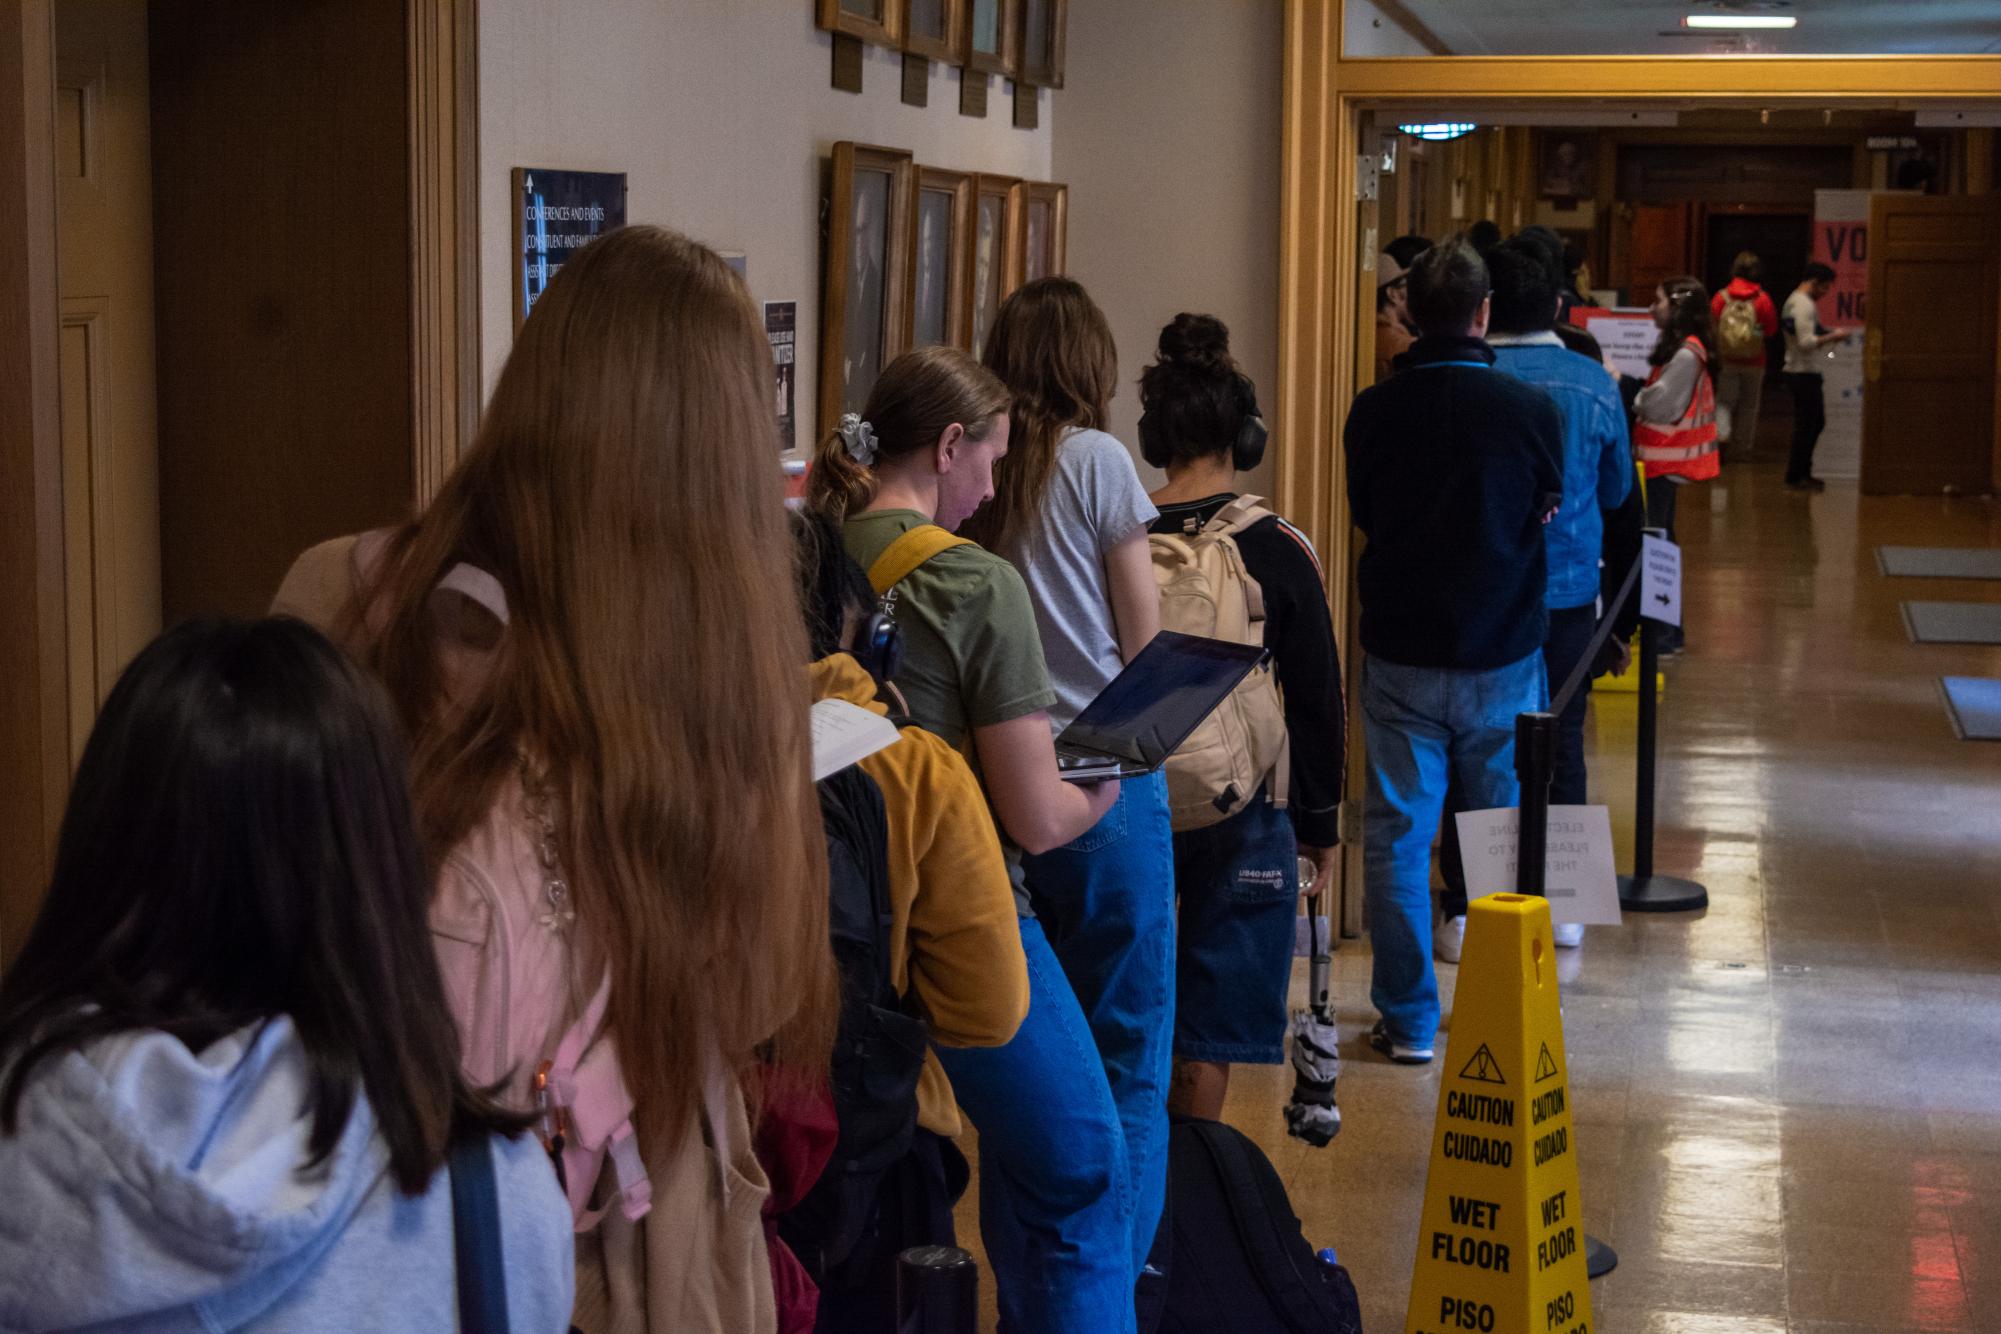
{"x": 1237, "y": 879}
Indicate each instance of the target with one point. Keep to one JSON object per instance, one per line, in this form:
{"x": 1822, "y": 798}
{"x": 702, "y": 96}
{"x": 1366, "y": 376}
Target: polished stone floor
{"x": 1788, "y": 1107}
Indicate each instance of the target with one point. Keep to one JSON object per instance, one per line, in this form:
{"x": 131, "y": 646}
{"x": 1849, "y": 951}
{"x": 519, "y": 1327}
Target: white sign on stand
{"x": 1660, "y": 578}
{"x": 1579, "y": 879}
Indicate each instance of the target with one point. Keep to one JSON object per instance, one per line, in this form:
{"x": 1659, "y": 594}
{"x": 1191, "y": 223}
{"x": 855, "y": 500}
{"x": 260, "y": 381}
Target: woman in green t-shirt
{"x": 1055, "y": 1205}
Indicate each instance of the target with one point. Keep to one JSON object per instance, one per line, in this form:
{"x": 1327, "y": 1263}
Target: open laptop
{"x": 1149, "y": 709}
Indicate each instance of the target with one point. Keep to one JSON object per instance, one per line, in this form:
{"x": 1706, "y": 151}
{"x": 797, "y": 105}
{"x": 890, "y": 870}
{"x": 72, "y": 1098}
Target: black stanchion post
{"x": 937, "y": 1291}
{"x": 1535, "y": 759}
{"x": 1643, "y": 891}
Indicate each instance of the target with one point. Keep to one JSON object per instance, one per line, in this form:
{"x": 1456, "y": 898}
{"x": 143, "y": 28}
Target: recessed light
{"x": 1740, "y": 22}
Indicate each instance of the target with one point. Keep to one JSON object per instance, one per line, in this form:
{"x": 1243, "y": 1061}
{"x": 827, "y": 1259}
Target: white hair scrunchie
{"x": 859, "y": 437}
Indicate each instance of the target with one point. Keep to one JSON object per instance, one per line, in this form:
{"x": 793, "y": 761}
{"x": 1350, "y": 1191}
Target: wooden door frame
{"x": 1326, "y": 309}
{"x": 443, "y": 65}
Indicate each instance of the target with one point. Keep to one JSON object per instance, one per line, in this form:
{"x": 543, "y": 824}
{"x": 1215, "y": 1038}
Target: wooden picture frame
{"x": 1044, "y": 24}
{"x": 940, "y": 290}
{"x": 1045, "y": 223}
{"x": 887, "y": 30}
{"x": 864, "y": 319}
{"x": 1561, "y": 175}
{"x": 992, "y": 272}
{"x": 945, "y": 48}
{"x": 1001, "y": 58}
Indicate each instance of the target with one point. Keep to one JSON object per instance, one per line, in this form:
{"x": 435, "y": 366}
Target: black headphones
{"x": 1246, "y": 451}
{"x": 878, "y": 646}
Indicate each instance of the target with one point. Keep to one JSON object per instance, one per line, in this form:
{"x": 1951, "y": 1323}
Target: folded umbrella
{"x": 1316, "y": 1057}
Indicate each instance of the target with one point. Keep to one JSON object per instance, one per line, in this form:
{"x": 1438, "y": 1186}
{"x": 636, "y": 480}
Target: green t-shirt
{"x": 971, "y": 654}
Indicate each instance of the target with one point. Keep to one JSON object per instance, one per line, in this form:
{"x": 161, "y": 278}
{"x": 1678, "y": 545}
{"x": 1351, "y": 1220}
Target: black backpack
{"x": 1238, "y": 1260}
{"x": 879, "y": 1049}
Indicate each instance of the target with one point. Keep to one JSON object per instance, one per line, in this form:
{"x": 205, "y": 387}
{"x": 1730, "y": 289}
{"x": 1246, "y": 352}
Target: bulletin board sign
{"x": 556, "y": 214}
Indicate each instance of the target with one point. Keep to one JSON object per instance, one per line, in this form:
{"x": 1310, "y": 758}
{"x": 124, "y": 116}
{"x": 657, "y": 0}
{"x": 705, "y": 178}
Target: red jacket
{"x": 1743, "y": 289}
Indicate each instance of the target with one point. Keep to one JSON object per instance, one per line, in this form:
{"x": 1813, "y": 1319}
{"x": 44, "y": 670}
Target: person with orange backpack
{"x": 1744, "y": 317}
{"x": 1259, "y": 784}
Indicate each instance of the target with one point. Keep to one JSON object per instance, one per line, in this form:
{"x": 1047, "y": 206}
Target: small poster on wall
{"x": 781, "y": 326}
{"x": 556, "y": 214}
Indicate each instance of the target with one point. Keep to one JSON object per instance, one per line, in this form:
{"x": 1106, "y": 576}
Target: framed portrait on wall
{"x": 990, "y": 260}
{"x": 865, "y": 313}
{"x": 933, "y": 28}
{"x": 877, "y": 21}
{"x": 1041, "y": 53}
{"x": 1045, "y": 217}
{"x": 942, "y": 220}
{"x": 991, "y": 28}
{"x": 1567, "y": 165}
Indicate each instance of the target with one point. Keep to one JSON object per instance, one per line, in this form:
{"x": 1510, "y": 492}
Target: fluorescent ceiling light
{"x": 1439, "y": 130}
{"x": 1739, "y": 22}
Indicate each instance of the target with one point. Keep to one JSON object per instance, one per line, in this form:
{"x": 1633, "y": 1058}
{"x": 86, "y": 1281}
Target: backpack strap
{"x": 908, "y": 552}
{"x": 1238, "y": 515}
{"x": 590, "y": 1107}
{"x": 1231, "y": 520}
{"x": 482, "y": 1279}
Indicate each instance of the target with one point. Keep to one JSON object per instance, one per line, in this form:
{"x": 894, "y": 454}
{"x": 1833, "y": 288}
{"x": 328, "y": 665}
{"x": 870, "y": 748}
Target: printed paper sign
{"x": 1626, "y": 338}
{"x": 1579, "y": 879}
{"x": 1660, "y": 578}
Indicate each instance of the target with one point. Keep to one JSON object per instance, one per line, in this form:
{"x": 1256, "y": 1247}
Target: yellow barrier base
{"x": 1501, "y": 1247}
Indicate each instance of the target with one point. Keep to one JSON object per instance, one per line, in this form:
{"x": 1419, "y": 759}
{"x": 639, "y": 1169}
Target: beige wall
{"x": 1167, "y": 132}
{"x": 720, "y": 111}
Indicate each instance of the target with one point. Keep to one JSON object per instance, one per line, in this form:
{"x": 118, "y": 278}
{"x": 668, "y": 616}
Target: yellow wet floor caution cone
{"x": 1501, "y": 1248}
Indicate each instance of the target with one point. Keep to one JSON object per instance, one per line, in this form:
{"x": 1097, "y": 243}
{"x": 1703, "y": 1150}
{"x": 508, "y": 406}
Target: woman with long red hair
{"x": 592, "y": 635}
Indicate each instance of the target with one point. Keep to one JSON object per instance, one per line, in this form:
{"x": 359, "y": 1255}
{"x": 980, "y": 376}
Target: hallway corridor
{"x": 1788, "y": 1107}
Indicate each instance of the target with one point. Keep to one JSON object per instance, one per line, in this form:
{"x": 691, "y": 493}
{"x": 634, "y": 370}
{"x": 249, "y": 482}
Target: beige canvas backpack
{"x": 1205, "y": 590}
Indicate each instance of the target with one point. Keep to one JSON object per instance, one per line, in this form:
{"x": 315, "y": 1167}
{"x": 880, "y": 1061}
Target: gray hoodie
{"x": 150, "y": 1188}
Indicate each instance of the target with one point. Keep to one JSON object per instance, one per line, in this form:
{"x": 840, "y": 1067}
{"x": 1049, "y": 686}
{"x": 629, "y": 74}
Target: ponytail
{"x": 915, "y": 399}
{"x": 837, "y": 486}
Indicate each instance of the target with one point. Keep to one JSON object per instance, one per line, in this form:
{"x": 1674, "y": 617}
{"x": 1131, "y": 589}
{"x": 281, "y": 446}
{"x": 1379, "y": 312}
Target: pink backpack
{"x": 506, "y": 935}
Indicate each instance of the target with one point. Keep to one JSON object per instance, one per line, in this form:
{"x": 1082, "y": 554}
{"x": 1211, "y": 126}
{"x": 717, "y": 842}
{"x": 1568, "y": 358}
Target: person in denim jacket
{"x": 1597, "y": 466}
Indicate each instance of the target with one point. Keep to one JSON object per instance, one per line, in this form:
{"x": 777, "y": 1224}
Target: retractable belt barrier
{"x": 937, "y": 1291}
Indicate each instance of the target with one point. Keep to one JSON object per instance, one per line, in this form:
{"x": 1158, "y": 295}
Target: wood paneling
{"x": 1934, "y": 299}
{"x": 444, "y": 251}
{"x": 1774, "y": 176}
{"x": 34, "y": 746}
{"x": 282, "y": 223}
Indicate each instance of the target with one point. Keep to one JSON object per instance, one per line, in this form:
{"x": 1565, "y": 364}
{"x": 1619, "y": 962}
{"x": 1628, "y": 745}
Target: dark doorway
{"x": 1781, "y": 240}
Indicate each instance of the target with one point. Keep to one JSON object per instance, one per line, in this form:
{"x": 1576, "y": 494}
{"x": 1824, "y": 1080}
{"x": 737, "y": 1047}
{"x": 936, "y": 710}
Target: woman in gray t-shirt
{"x": 1069, "y": 511}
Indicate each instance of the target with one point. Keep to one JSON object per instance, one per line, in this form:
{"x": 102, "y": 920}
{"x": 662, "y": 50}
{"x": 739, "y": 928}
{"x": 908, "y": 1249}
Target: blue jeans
{"x": 1107, "y": 902}
{"x": 1425, "y": 726}
{"x": 1055, "y": 1196}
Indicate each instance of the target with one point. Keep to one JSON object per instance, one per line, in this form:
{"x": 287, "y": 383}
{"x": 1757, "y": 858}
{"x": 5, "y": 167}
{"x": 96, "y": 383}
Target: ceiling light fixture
{"x": 1740, "y": 22}
{"x": 1437, "y": 130}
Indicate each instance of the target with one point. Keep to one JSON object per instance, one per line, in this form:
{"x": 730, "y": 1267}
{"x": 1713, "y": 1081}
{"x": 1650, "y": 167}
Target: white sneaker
{"x": 1569, "y": 935}
{"x": 1449, "y": 940}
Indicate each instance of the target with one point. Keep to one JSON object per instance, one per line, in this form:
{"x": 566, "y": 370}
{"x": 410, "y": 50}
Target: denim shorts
{"x": 1239, "y": 887}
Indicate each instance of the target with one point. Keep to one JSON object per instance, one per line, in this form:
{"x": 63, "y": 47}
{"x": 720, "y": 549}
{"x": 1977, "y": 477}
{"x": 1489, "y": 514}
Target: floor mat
{"x": 1974, "y": 704}
{"x": 1940, "y": 562}
{"x": 1953, "y": 622}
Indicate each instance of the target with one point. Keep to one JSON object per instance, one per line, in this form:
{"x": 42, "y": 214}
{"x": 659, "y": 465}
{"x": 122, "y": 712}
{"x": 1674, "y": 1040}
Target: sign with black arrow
{"x": 1660, "y": 580}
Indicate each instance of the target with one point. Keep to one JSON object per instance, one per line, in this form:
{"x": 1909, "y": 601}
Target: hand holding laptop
{"x": 1148, "y": 710}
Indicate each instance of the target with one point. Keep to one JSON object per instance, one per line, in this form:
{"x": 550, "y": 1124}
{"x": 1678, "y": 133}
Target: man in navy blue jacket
{"x": 1452, "y": 472}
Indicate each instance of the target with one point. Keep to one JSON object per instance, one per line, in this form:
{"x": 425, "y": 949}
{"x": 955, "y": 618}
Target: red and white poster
{"x": 1841, "y": 241}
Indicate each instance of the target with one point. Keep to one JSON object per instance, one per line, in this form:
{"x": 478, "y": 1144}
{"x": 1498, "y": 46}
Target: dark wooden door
{"x": 1662, "y": 247}
{"x": 1929, "y": 359}
{"x": 282, "y": 266}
